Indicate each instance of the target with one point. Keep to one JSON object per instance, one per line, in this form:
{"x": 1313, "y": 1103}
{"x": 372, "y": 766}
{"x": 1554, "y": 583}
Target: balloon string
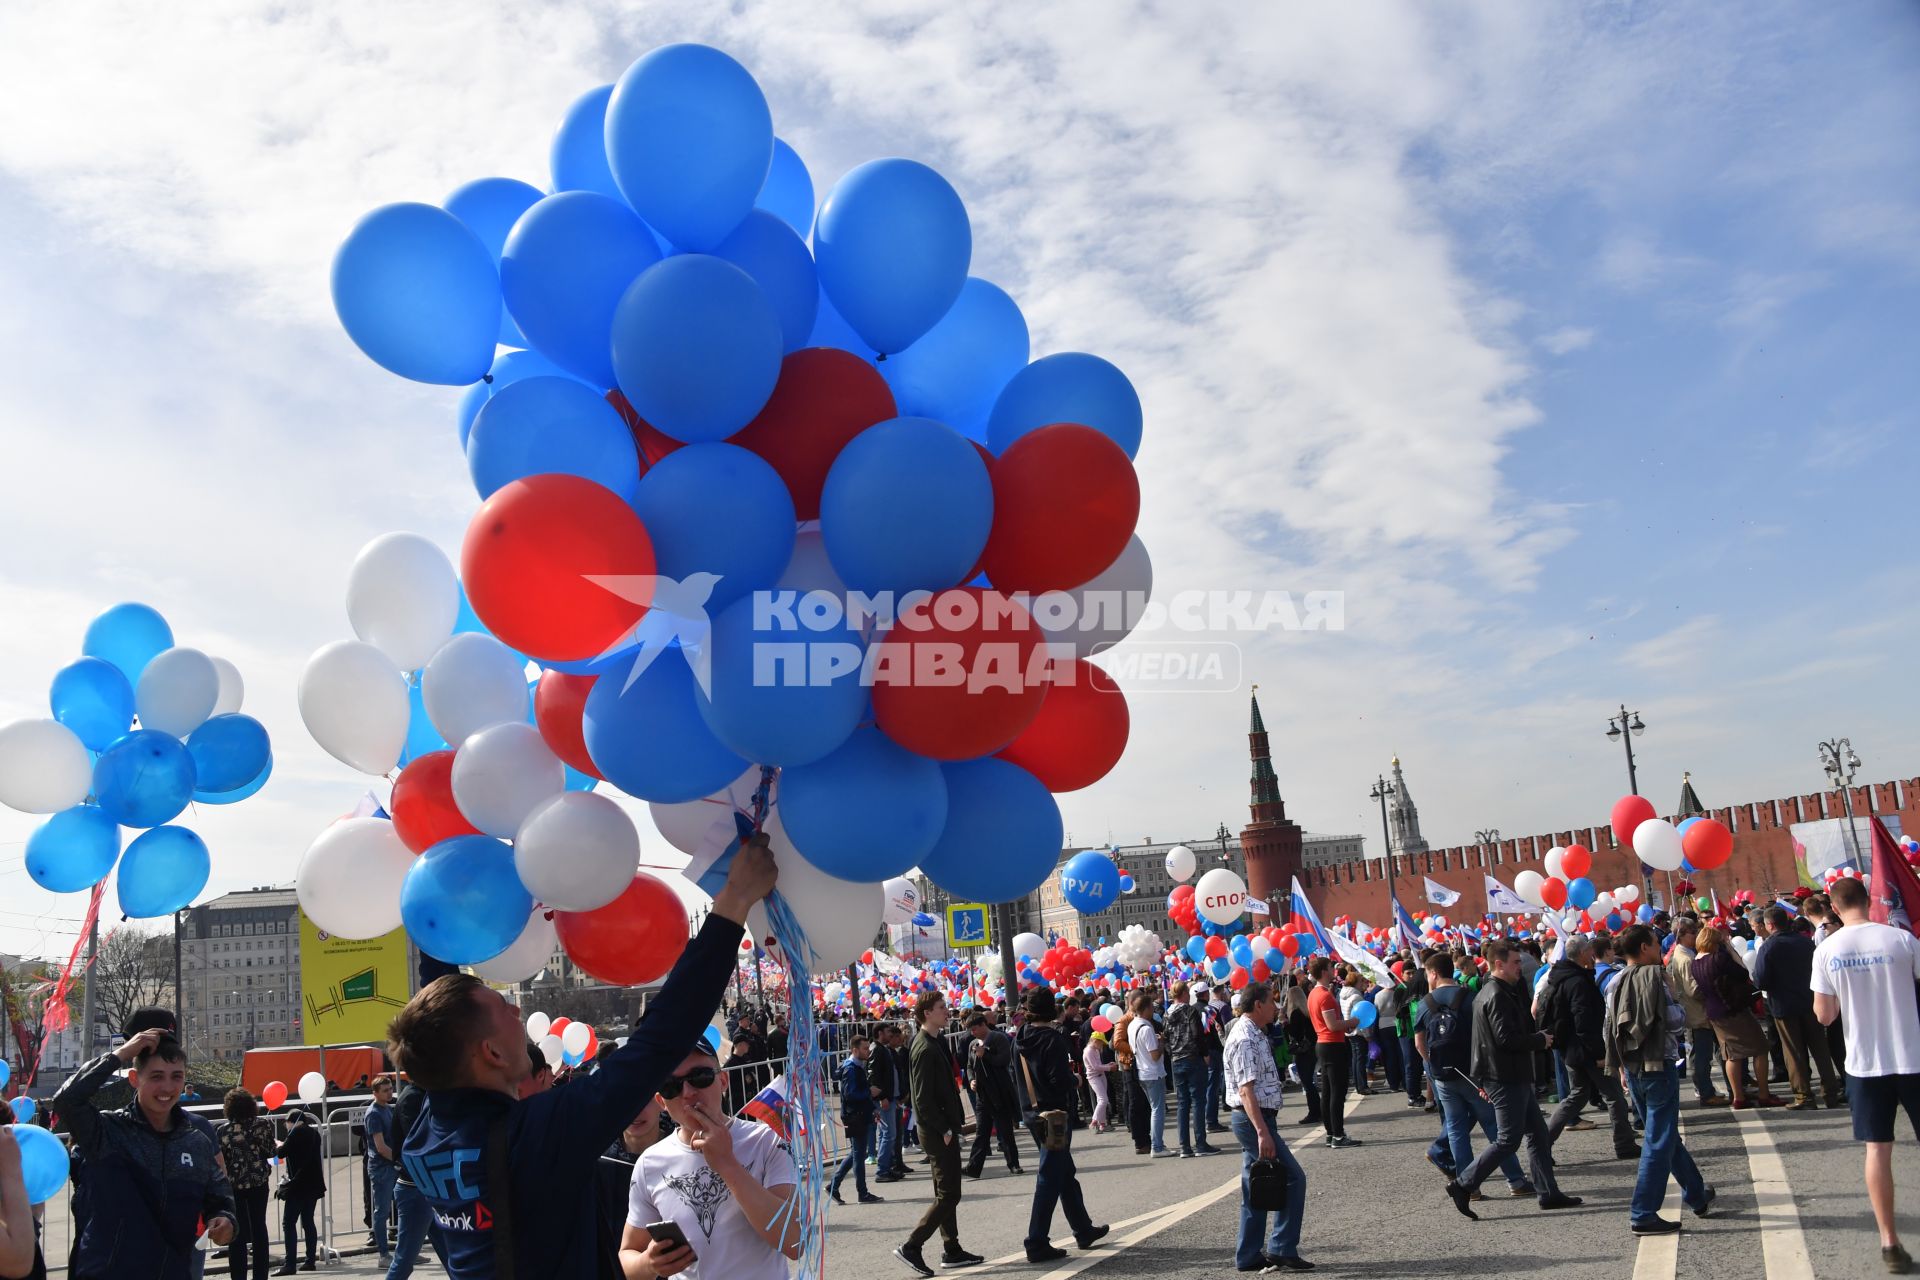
{"x": 816, "y": 1149}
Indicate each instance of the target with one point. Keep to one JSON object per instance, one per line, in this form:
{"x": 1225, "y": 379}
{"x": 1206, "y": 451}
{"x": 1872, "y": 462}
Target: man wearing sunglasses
{"x": 510, "y": 1182}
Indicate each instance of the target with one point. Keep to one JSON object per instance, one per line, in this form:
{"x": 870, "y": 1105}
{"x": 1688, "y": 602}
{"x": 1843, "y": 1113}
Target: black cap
{"x": 147, "y": 1019}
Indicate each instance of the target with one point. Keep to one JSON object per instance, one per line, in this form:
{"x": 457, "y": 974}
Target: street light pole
{"x": 1624, "y": 728}
{"x": 1841, "y": 764}
{"x": 1382, "y": 789}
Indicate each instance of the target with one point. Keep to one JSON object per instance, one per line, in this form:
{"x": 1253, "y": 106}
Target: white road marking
{"x": 1783, "y": 1245}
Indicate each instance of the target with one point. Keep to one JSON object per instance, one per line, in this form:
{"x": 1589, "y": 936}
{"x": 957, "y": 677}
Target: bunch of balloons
{"x": 1137, "y": 947}
{"x": 1697, "y": 844}
{"x": 140, "y": 728}
{"x": 702, "y": 414}
{"x": 1061, "y": 963}
{"x": 563, "y": 1042}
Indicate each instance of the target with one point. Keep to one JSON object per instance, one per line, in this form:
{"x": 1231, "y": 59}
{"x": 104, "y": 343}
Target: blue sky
{"x": 1572, "y": 343}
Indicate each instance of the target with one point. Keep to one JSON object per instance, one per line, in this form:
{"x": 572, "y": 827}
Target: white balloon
{"x": 473, "y": 681}
{"x": 1220, "y": 896}
{"x": 903, "y": 899}
{"x": 313, "y": 1087}
{"x": 1553, "y": 864}
{"x": 177, "y": 691}
{"x": 552, "y": 1050}
{"x": 348, "y": 881}
{"x": 527, "y": 956}
{"x": 44, "y": 767}
{"x": 833, "y": 991}
{"x": 1101, "y": 612}
{"x": 1138, "y": 947}
{"x": 355, "y": 704}
{"x": 1528, "y": 884}
{"x": 1260, "y": 946}
{"x": 1658, "y": 844}
{"x": 502, "y": 773}
{"x": 1030, "y": 945}
{"x": 1602, "y": 904}
{"x": 1627, "y": 893}
{"x": 576, "y": 1037}
{"x": 686, "y": 825}
{"x": 537, "y": 1023}
{"x": 403, "y": 598}
{"x": 840, "y": 917}
{"x": 576, "y": 850}
{"x": 1180, "y": 863}
{"x": 808, "y": 568}
{"x": 233, "y": 690}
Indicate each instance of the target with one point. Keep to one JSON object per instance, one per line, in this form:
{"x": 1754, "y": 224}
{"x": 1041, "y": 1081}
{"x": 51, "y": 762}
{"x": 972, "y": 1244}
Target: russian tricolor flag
{"x": 769, "y": 1106}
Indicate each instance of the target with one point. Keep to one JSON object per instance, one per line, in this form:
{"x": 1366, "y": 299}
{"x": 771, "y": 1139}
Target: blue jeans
{"x": 1702, "y": 1044}
{"x": 416, "y": 1225}
{"x": 1461, "y": 1108}
{"x": 1057, "y": 1182}
{"x": 1560, "y": 1085}
{"x": 1190, "y": 1091}
{"x": 886, "y": 1137}
{"x": 1216, "y": 1086}
{"x": 1283, "y": 1235}
{"x": 1156, "y": 1091}
{"x": 380, "y": 1177}
{"x": 859, "y": 1142}
{"x": 1389, "y": 1043}
{"x": 1662, "y": 1153}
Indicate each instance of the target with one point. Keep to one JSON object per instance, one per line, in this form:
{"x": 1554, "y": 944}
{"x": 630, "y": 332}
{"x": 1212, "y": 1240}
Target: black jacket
{"x": 1186, "y": 1036}
{"x": 1784, "y": 970}
{"x": 1504, "y": 1036}
{"x": 1049, "y": 1056}
{"x": 881, "y": 1069}
{"x": 301, "y": 1151}
{"x": 1572, "y": 1009}
{"x": 936, "y": 1095}
{"x": 991, "y": 1069}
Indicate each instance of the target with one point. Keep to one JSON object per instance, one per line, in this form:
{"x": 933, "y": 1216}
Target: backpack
{"x": 1449, "y": 1031}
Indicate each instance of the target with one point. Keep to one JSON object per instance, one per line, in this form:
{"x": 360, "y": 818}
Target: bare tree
{"x": 132, "y": 971}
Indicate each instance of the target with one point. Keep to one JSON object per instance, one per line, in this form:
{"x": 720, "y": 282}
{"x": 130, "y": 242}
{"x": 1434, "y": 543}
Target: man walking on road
{"x": 1783, "y": 968}
{"x": 990, "y": 1067}
{"x": 1444, "y": 1037}
{"x": 936, "y": 1106}
{"x": 1865, "y": 972}
{"x": 1186, "y": 1049}
{"x": 1571, "y": 1008}
{"x": 1253, "y": 1094}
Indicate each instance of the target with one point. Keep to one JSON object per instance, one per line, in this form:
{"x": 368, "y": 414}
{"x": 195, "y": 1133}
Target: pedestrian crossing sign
{"x": 967, "y": 925}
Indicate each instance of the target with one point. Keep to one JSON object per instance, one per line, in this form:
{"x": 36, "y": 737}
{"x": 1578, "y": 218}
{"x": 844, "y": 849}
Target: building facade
{"x": 240, "y": 972}
{"x": 1324, "y": 851}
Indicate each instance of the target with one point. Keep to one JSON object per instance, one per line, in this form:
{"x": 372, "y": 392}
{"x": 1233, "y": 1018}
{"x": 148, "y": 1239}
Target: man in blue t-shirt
{"x": 381, "y": 1169}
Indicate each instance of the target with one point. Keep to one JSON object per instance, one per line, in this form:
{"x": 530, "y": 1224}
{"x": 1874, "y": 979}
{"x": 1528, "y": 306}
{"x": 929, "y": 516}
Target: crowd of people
{"x": 638, "y": 1164}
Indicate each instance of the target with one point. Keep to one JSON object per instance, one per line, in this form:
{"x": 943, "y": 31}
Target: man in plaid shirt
{"x": 1253, "y": 1096}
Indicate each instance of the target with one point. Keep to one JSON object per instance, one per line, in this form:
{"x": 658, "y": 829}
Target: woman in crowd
{"x": 302, "y": 1189}
{"x": 1098, "y": 1061}
{"x": 246, "y": 1144}
{"x": 1727, "y": 990}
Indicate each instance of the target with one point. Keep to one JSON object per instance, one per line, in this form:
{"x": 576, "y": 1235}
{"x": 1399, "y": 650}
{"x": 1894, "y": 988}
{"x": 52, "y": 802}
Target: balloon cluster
{"x": 1137, "y": 947}
{"x": 140, "y": 728}
{"x": 1697, "y": 844}
{"x": 563, "y": 1042}
{"x": 1061, "y": 963}
{"x": 714, "y": 400}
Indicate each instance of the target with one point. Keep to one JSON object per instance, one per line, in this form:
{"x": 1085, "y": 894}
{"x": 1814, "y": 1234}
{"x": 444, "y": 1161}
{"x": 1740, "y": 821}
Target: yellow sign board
{"x": 968, "y": 925}
{"x": 350, "y": 990}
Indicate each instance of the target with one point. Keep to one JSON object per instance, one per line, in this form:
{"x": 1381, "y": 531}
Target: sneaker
{"x": 1416, "y": 1102}
{"x": 1048, "y": 1252}
{"x": 1344, "y": 1141}
{"x": 1462, "y": 1199}
{"x": 1291, "y": 1262}
{"x": 1898, "y": 1263}
{"x": 1656, "y": 1227}
{"x": 1524, "y": 1191}
{"x": 1206, "y": 1151}
{"x": 958, "y": 1258}
{"x": 1432, "y": 1109}
{"x": 1706, "y": 1206}
{"x": 1185, "y": 1154}
{"x": 911, "y": 1255}
{"x": 870, "y": 1198}
{"x": 1166, "y": 1153}
{"x": 1560, "y": 1200}
{"x": 1306, "y": 1120}
{"x": 833, "y": 1193}
{"x": 1092, "y": 1237}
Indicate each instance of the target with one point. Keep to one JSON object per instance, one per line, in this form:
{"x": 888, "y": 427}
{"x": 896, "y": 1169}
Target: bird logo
{"x": 676, "y": 614}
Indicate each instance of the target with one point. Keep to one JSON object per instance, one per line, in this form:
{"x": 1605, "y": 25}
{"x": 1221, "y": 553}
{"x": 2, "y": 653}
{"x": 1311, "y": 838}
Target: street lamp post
{"x": 1382, "y": 789}
{"x": 1841, "y": 764}
{"x": 1223, "y": 835}
{"x": 1624, "y": 728}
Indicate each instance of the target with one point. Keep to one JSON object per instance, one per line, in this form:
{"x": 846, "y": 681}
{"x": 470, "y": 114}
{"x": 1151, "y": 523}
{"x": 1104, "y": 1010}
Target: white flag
{"x": 1439, "y": 894}
{"x": 1360, "y": 958}
{"x": 1504, "y": 901}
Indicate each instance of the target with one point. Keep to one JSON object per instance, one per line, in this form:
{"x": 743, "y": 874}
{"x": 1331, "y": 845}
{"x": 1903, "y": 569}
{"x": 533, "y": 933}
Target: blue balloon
{"x": 462, "y": 901}
{"x": 239, "y": 793}
{"x": 23, "y": 1106}
{"x": 696, "y": 347}
{"x": 144, "y": 779}
{"x": 551, "y": 426}
{"x": 162, "y": 871}
{"x": 893, "y": 243}
{"x": 565, "y": 265}
{"x": 955, "y": 372}
{"x": 94, "y": 700}
{"x": 717, "y": 509}
{"x": 1644, "y": 915}
{"x": 690, "y": 141}
{"x": 489, "y": 207}
{"x": 578, "y": 781}
{"x": 510, "y": 368}
{"x": 228, "y": 752}
{"x": 870, "y": 811}
{"x": 830, "y": 330}
{"x": 6, "y": 1074}
{"x": 783, "y": 695}
{"x": 418, "y": 292}
{"x": 1090, "y": 882}
{"x": 1069, "y": 387}
{"x": 467, "y": 620}
{"x": 712, "y": 1036}
{"x": 1002, "y": 837}
{"x": 788, "y": 191}
{"x": 650, "y": 740}
{"x": 1581, "y": 893}
{"x": 769, "y": 250}
{"x": 73, "y": 849}
{"x": 44, "y": 1162}
{"x": 907, "y": 506}
{"x": 1365, "y": 1014}
{"x": 422, "y": 737}
{"x": 578, "y": 157}
{"x": 128, "y": 635}
{"x": 1221, "y": 967}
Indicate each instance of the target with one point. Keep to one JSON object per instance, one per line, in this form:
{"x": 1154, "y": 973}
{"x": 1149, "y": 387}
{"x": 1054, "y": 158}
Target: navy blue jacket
{"x": 555, "y": 1138}
{"x": 1784, "y": 970}
{"x": 856, "y": 1095}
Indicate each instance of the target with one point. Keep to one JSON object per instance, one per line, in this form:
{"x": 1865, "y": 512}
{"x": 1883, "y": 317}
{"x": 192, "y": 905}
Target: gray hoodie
{"x": 1643, "y": 1021}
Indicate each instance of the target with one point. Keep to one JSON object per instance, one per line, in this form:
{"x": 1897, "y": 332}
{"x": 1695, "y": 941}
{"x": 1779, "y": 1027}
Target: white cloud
{"x": 1566, "y": 340}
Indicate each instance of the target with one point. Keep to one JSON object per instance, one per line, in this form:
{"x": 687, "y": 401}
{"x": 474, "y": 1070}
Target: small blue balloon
{"x": 94, "y": 700}
{"x": 1220, "y": 967}
{"x": 73, "y": 849}
{"x": 22, "y": 1107}
{"x": 712, "y": 1036}
{"x": 144, "y": 779}
{"x": 893, "y": 243}
{"x": 6, "y": 1074}
{"x": 717, "y": 509}
{"x": 462, "y": 901}
{"x": 1581, "y": 893}
{"x": 1365, "y": 1014}
{"x": 509, "y": 368}
{"x": 578, "y": 158}
{"x": 776, "y": 257}
{"x": 239, "y": 793}
{"x": 650, "y": 740}
{"x": 696, "y": 347}
{"x": 162, "y": 872}
{"x": 780, "y": 695}
{"x": 1090, "y": 882}
{"x": 129, "y": 636}
{"x": 578, "y": 781}
{"x": 228, "y": 752}
{"x": 907, "y": 506}
{"x": 690, "y": 141}
{"x": 549, "y": 426}
{"x": 955, "y": 372}
{"x": 489, "y": 207}
{"x": 418, "y": 293}
{"x": 1069, "y": 387}
{"x": 788, "y": 190}
{"x": 870, "y": 811}
{"x": 44, "y": 1162}
{"x": 563, "y": 270}
{"x": 422, "y": 737}
{"x": 1002, "y": 837}
{"x": 1644, "y": 915}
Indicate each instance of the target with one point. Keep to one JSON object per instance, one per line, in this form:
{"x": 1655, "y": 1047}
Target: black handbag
{"x": 1267, "y": 1182}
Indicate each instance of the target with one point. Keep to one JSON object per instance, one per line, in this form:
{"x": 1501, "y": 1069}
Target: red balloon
{"x": 558, "y": 701}
{"x": 632, "y": 940}
{"x": 1554, "y": 892}
{"x": 1216, "y": 947}
{"x": 942, "y": 674}
{"x": 1708, "y": 843}
{"x": 422, "y": 804}
{"x": 1065, "y": 500}
{"x": 558, "y": 1025}
{"x": 531, "y": 557}
{"x": 593, "y": 1044}
{"x": 1628, "y": 813}
{"x": 274, "y": 1094}
{"x": 1238, "y": 979}
{"x": 1261, "y": 971}
{"x": 1080, "y": 732}
{"x": 1576, "y": 861}
{"x": 825, "y": 397}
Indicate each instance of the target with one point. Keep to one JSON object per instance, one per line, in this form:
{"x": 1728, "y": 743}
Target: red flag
{"x": 1895, "y": 892}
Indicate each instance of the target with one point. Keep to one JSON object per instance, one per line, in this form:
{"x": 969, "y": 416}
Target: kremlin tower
{"x": 1269, "y": 843}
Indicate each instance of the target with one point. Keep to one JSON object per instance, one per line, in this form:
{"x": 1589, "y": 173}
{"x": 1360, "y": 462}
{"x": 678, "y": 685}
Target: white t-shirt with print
{"x": 672, "y": 1181}
{"x": 1144, "y": 1039}
{"x": 1872, "y": 969}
